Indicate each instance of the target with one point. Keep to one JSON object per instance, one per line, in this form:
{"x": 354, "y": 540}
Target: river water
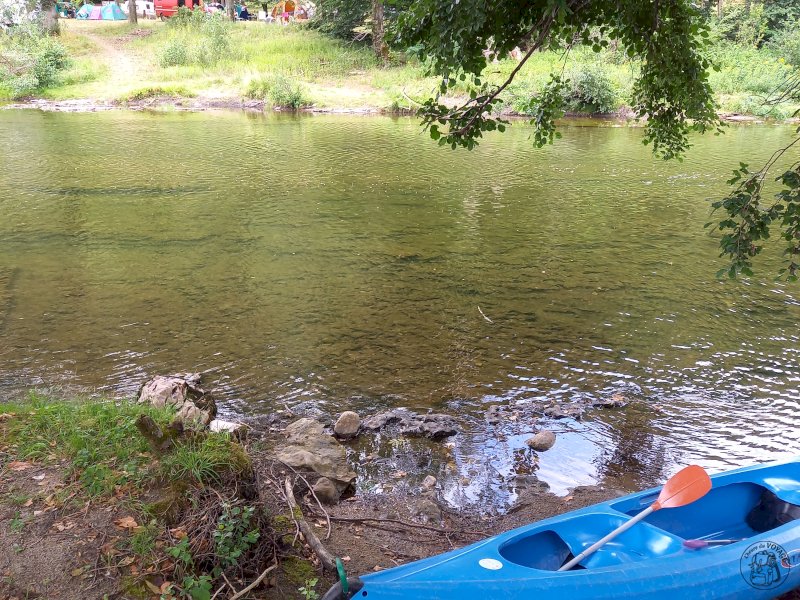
{"x": 350, "y": 263}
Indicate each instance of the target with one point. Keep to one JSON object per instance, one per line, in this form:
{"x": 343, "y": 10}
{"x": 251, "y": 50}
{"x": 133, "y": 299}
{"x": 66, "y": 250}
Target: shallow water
{"x": 348, "y": 262}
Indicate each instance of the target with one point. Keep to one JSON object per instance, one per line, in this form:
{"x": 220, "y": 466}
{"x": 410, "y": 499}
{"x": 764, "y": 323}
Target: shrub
{"x": 174, "y": 53}
{"x": 278, "y": 90}
{"x": 786, "y": 44}
{"x": 31, "y": 63}
{"x": 590, "y": 88}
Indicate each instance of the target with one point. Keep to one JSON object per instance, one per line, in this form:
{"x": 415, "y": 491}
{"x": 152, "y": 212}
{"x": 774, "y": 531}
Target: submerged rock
{"x": 615, "y": 401}
{"x": 347, "y": 425}
{"x": 311, "y": 450}
{"x": 542, "y": 441}
{"x": 406, "y": 422}
{"x": 565, "y": 411}
{"x": 183, "y": 392}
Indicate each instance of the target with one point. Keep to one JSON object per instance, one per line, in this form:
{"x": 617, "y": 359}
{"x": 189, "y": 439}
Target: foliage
{"x": 671, "y": 90}
{"x": 100, "y": 439}
{"x": 278, "y": 90}
{"x": 30, "y": 61}
{"x": 340, "y": 17}
{"x": 748, "y": 219}
{"x": 307, "y": 590}
{"x": 786, "y": 43}
{"x": 204, "y": 460}
{"x": 590, "y": 88}
{"x": 196, "y": 38}
{"x": 235, "y": 534}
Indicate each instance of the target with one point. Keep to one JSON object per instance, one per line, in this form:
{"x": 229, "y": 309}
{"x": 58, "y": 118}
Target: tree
{"x": 230, "y": 10}
{"x": 671, "y": 93}
{"x": 378, "y": 44}
{"x": 50, "y": 17}
{"x": 133, "y": 17}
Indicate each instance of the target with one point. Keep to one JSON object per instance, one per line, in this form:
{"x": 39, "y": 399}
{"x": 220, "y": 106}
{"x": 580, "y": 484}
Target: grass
{"x": 292, "y": 67}
{"x": 105, "y": 453}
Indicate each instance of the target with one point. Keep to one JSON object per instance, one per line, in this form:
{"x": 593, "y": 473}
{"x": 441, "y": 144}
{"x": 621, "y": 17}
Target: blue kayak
{"x": 740, "y": 540}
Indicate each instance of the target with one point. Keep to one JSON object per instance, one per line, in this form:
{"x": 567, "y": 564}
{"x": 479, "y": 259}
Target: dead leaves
{"x": 126, "y": 523}
{"x": 19, "y": 465}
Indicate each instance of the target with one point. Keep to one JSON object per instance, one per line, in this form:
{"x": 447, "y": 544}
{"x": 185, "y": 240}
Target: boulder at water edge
{"x": 183, "y": 392}
{"x": 310, "y": 449}
{"x": 347, "y": 425}
{"x": 542, "y": 441}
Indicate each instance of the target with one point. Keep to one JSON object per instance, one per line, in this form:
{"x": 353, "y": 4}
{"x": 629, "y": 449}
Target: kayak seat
{"x": 722, "y": 513}
{"x": 772, "y": 512}
{"x": 550, "y": 548}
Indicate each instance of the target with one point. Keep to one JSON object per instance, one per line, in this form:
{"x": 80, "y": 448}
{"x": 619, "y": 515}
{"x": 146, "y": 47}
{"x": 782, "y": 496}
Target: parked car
{"x": 168, "y": 8}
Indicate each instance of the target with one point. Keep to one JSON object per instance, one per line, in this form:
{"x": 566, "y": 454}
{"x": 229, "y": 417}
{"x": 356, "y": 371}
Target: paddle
{"x": 686, "y": 486}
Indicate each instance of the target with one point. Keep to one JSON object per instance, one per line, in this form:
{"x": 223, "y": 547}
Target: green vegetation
{"x": 211, "y": 530}
{"x": 294, "y": 67}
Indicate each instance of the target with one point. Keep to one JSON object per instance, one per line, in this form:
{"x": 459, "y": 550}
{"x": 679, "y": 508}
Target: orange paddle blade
{"x": 687, "y": 485}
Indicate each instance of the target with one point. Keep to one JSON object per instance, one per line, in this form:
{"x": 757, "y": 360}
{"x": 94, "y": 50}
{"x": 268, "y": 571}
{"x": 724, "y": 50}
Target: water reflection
{"x": 347, "y": 262}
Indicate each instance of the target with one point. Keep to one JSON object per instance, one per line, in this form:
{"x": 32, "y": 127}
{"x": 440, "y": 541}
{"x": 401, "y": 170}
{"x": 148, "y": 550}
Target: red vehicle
{"x": 168, "y": 8}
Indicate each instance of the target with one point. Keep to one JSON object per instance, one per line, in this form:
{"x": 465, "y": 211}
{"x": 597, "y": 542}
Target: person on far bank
{"x": 244, "y": 15}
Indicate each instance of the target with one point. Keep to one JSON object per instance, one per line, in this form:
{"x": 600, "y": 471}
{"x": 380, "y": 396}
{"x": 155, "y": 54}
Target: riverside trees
{"x": 671, "y": 93}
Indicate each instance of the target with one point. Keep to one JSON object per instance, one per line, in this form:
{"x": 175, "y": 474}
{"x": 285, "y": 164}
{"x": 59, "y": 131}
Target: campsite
{"x": 417, "y": 299}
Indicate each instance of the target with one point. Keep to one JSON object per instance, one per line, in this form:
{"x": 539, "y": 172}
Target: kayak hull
{"x": 647, "y": 561}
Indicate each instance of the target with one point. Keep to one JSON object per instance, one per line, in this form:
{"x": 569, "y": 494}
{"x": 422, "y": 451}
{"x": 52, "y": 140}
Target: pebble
{"x": 542, "y": 441}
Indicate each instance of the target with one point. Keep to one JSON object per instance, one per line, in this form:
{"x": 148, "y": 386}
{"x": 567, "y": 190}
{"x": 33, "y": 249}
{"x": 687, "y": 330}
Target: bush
{"x": 590, "y": 89}
{"x": 196, "y": 38}
{"x": 278, "y": 90}
{"x": 786, "y": 44}
{"x": 31, "y": 63}
{"x": 174, "y": 53}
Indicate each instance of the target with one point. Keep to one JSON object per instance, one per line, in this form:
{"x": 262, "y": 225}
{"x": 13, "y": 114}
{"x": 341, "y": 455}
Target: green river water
{"x": 335, "y": 263}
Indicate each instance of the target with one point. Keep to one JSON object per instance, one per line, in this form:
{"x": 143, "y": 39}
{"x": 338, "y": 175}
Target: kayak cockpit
{"x": 735, "y": 511}
{"x": 549, "y": 549}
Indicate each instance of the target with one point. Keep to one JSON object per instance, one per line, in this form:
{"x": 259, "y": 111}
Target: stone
{"x": 616, "y": 401}
{"x": 565, "y": 411}
{"x": 429, "y": 482}
{"x": 310, "y": 449}
{"x": 237, "y": 430}
{"x": 427, "y": 509}
{"x": 406, "y": 422}
{"x": 326, "y": 490}
{"x": 183, "y": 392}
{"x": 542, "y": 441}
{"x": 347, "y": 425}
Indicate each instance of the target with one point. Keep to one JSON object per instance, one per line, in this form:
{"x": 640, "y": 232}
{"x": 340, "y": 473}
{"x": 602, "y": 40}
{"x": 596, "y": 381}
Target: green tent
{"x": 84, "y": 12}
{"x": 112, "y": 12}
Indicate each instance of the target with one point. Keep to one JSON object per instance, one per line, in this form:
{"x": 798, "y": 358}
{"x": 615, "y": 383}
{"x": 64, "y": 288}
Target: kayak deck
{"x": 750, "y": 506}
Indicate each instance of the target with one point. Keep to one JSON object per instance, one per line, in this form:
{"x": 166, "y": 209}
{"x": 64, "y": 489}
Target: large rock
{"x": 544, "y": 440}
{"x": 409, "y": 423}
{"x": 310, "y": 449}
{"x": 182, "y": 392}
{"x": 347, "y": 425}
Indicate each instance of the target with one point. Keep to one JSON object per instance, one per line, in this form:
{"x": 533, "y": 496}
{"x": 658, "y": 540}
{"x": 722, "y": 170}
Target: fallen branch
{"x": 325, "y": 557}
{"x": 255, "y": 584}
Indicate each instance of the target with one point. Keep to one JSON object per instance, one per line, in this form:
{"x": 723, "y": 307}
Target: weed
{"x": 204, "y": 460}
{"x": 17, "y": 523}
{"x": 143, "y": 541}
{"x": 307, "y": 591}
{"x": 280, "y": 91}
{"x": 234, "y": 534}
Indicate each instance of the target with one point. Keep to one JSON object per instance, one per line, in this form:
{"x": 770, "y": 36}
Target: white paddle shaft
{"x": 597, "y": 545}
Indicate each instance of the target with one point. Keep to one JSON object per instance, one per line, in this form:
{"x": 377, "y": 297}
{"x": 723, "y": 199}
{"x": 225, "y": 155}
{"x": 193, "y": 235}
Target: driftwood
{"x": 325, "y": 557}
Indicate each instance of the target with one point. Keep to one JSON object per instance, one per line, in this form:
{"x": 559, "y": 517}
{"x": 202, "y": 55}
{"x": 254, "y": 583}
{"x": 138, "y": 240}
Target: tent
{"x": 84, "y": 12}
{"x": 112, "y": 12}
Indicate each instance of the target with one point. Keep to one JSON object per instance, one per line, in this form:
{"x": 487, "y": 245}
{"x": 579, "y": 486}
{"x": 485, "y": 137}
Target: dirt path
{"x": 123, "y": 68}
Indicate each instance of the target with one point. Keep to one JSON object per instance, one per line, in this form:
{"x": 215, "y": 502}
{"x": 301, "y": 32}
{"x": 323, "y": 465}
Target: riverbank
{"x": 257, "y": 66}
{"x": 92, "y": 509}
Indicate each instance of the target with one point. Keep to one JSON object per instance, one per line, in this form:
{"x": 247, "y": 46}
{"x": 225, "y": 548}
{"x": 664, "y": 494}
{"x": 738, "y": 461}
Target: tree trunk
{"x": 378, "y": 44}
{"x": 133, "y": 18}
{"x": 230, "y": 9}
{"x": 747, "y": 7}
{"x": 50, "y": 17}
{"x": 719, "y": 9}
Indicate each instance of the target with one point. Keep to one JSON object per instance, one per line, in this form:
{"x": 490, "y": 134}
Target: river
{"x": 350, "y": 263}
